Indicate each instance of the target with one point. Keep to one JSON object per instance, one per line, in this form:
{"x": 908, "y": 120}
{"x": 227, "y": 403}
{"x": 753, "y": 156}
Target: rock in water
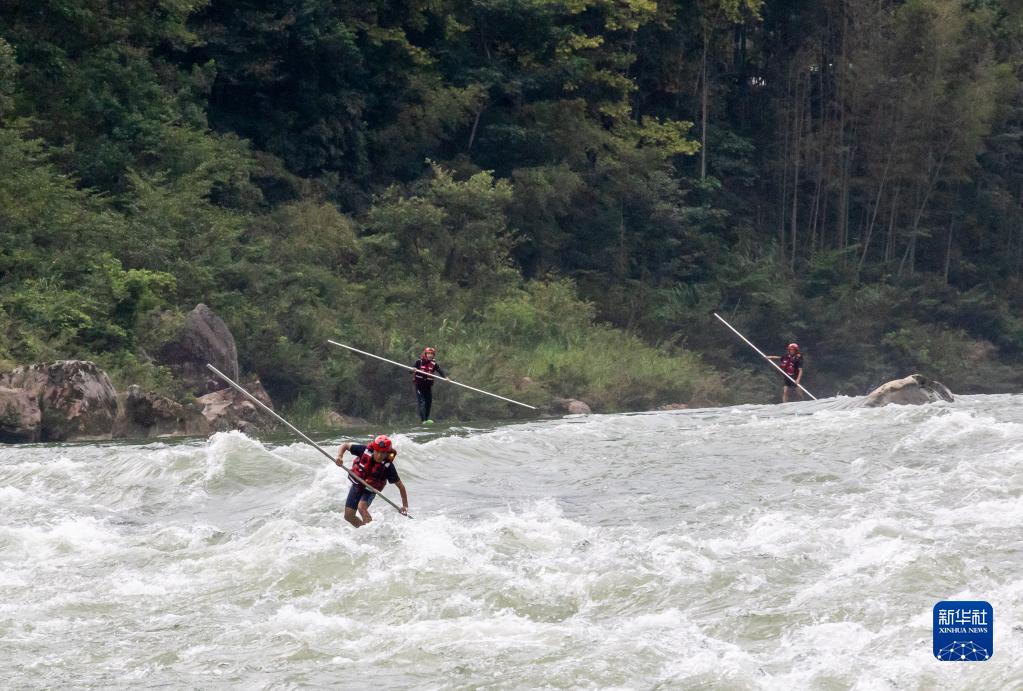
{"x": 912, "y": 390}
{"x": 228, "y": 409}
{"x": 143, "y": 414}
{"x": 75, "y": 397}
{"x": 571, "y": 406}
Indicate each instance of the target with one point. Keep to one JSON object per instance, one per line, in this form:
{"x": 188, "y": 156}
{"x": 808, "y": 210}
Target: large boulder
{"x": 228, "y": 409}
{"x": 912, "y": 390}
{"x": 75, "y": 397}
{"x": 20, "y": 419}
{"x": 204, "y": 338}
{"x": 143, "y": 414}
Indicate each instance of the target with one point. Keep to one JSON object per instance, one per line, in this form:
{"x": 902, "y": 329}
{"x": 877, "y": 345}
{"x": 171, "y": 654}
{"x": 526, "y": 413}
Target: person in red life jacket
{"x": 374, "y": 463}
{"x": 424, "y": 384}
{"x": 792, "y": 364}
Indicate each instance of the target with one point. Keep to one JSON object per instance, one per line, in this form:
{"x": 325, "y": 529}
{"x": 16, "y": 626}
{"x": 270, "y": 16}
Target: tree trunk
{"x": 889, "y": 248}
{"x": 873, "y": 215}
{"x": 841, "y": 93}
{"x": 623, "y": 259}
{"x": 948, "y": 250}
{"x": 704, "y": 96}
{"x": 934, "y": 170}
{"x": 472, "y": 134}
{"x": 815, "y": 218}
{"x": 823, "y": 224}
{"x": 815, "y": 208}
{"x": 912, "y": 255}
{"x": 784, "y": 171}
{"x": 798, "y": 154}
{"x": 843, "y": 201}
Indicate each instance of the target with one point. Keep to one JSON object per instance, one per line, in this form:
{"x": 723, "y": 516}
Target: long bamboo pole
{"x": 427, "y": 374}
{"x": 297, "y": 431}
{"x": 769, "y": 360}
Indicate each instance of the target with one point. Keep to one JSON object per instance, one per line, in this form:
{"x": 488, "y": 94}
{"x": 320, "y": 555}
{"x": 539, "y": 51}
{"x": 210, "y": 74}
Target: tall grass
{"x": 532, "y": 345}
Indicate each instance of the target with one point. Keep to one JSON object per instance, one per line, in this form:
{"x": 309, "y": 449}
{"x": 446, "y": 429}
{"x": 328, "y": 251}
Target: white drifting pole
{"x": 306, "y": 439}
{"x": 784, "y": 373}
{"x": 427, "y": 374}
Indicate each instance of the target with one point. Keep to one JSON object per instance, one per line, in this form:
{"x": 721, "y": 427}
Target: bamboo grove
{"x": 555, "y": 193}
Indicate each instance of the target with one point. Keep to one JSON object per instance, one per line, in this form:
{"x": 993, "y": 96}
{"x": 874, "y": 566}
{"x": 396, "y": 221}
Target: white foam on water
{"x": 70, "y": 538}
{"x": 309, "y": 623}
{"x": 765, "y": 547}
{"x": 12, "y": 495}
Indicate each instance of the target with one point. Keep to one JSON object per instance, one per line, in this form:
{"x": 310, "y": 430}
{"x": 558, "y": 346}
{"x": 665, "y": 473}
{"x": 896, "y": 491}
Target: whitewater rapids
{"x": 755, "y": 547}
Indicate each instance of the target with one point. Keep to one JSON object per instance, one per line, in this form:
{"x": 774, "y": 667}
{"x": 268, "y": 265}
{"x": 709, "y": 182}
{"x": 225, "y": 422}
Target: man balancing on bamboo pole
{"x": 379, "y": 452}
{"x": 374, "y": 464}
{"x": 425, "y": 367}
{"x": 423, "y": 373}
{"x": 791, "y": 374}
{"x": 791, "y": 363}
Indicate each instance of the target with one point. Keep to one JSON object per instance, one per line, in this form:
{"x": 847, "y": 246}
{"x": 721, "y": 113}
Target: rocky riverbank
{"x": 73, "y": 400}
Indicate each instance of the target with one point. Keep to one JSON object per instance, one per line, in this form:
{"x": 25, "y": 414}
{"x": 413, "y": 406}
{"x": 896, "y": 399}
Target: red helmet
{"x": 429, "y": 350}
{"x": 381, "y": 443}
{"x": 793, "y": 345}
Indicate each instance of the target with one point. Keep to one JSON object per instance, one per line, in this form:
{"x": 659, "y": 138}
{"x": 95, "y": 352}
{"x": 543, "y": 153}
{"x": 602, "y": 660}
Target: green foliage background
{"x": 556, "y": 194}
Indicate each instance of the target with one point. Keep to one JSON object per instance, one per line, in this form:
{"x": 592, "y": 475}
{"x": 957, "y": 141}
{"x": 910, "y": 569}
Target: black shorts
{"x": 359, "y": 493}
{"x": 789, "y": 383}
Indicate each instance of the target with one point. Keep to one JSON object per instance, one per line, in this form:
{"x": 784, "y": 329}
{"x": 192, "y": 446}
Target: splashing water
{"x": 779, "y": 547}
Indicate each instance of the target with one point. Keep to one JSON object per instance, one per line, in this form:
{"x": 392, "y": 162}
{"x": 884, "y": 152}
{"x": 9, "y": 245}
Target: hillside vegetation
{"x": 556, "y": 194}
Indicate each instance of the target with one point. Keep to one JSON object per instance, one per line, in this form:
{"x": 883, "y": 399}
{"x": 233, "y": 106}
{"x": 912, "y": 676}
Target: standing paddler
{"x": 791, "y": 363}
{"x": 421, "y": 372}
{"x": 426, "y": 365}
{"x": 374, "y": 464}
{"x": 793, "y": 370}
{"x": 380, "y": 455}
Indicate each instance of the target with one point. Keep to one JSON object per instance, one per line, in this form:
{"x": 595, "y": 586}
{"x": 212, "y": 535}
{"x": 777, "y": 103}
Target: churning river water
{"x": 800, "y": 546}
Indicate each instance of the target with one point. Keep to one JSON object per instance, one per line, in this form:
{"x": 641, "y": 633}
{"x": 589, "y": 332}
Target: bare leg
{"x": 352, "y": 518}
{"x": 784, "y": 394}
{"x": 364, "y": 511}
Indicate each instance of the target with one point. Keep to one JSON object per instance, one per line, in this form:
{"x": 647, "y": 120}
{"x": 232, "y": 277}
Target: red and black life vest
{"x": 373, "y": 473}
{"x": 791, "y": 364}
{"x": 423, "y": 365}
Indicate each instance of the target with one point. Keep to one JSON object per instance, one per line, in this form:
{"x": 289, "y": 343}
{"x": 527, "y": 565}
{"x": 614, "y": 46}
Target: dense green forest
{"x": 554, "y": 193}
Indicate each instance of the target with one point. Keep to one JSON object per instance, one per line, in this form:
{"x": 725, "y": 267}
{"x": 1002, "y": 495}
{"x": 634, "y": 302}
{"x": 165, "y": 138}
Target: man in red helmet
{"x": 792, "y": 364}
{"x": 424, "y": 383}
{"x": 374, "y": 464}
